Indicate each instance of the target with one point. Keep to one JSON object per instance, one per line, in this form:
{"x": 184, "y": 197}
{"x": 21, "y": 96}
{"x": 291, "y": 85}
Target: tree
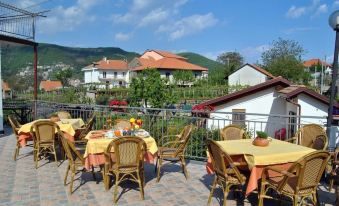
{"x": 182, "y": 77}
{"x": 64, "y": 76}
{"x": 149, "y": 89}
{"x": 284, "y": 59}
{"x": 231, "y": 61}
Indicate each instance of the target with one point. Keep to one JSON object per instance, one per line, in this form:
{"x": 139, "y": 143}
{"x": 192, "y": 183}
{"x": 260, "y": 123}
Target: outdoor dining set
{"x": 292, "y": 168}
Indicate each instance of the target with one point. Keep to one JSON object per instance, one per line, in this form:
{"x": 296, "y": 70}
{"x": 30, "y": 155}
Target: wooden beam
{"x": 17, "y": 40}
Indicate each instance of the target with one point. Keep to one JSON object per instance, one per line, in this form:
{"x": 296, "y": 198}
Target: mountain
{"x": 200, "y": 60}
{"x": 14, "y": 58}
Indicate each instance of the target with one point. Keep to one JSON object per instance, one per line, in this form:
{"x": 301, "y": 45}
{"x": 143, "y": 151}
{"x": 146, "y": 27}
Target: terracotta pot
{"x": 261, "y": 142}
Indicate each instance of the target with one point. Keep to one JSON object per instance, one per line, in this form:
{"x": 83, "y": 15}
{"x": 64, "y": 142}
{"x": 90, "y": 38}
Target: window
{"x": 104, "y": 75}
{"x": 238, "y": 116}
{"x": 115, "y": 74}
{"x": 292, "y": 121}
{"x": 196, "y": 75}
{"x": 168, "y": 75}
{"x": 124, "y": 74}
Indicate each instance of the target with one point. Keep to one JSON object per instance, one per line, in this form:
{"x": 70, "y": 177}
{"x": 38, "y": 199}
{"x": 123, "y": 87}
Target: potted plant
{"x": 261, "y": 139}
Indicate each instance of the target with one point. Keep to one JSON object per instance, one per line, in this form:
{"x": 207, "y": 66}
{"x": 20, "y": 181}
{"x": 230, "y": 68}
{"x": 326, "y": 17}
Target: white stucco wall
{"x": 94, "y": 75}
{"x": 91, "y": 75}
{"x": 263, "y": 102}
{"x": 312, "y": 107}
{"x": 246, "y": 76}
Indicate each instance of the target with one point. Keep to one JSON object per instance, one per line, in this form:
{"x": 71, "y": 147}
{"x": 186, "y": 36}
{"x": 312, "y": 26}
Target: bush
{"x": 102, "y": 100}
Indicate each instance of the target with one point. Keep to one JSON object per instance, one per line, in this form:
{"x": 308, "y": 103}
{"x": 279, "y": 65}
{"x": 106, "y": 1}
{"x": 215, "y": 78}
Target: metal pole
{"x": 333, "y": 83}
{"x": 35, "y": 67}
{"x": 1, "y": 95}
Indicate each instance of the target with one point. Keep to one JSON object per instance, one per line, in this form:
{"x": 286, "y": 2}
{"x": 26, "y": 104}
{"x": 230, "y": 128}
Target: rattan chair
{"x": 82, "y": 132}
{"x": 334, "y": 169}
{"x": 64, "y": 115}
{"x": 15, "y": 127}
{"x": 226, "y": 172}
{"x": 174, "y": 151}
{"x": 312, "y": 136}
{"x": 122, "y": 124}
{"x": 300, "y": 181}
{"x": 124, "y": 159}
{"x": 232, "y": 132}
{"x": 43, "y": 133}
{"x": 75, "y": 160}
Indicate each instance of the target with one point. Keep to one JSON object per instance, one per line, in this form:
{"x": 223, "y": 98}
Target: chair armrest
{"x": 292, "y": 139}
{"x": 83, "y": 141}
{"x": 284, "y": 172}
{"x": 239, "y": 164}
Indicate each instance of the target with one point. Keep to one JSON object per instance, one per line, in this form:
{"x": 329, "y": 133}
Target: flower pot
{"x": 261, "y": 142}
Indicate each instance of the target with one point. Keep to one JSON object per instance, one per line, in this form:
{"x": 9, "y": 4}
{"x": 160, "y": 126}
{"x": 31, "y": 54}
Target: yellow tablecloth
{"x": 277, "y": 152}
{"x": 95, "y": 146}
{"x": 66, "y": 125}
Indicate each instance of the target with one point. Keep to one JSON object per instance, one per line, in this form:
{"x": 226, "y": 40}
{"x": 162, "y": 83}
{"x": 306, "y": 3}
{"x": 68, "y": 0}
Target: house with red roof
{"x": 271, "y": 106}
{"x": 249, "y": 74}
{"x": 166, "y": 63}
{"x": 107, "y": 73}
{"x": 50, "y": 86}
{"x": 6, "y": 91}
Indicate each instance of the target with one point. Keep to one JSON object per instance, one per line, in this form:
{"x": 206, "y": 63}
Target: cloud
{"x": 297, "y": 30}
{"x": 155, "y": 16}
{"x": 336, "y": 3}
{"x": 67, "y": 18}
{"x": 188, "y": 26}
{"x": 253, "y": 53}
{"x": 295, "y": 12}
{"x": 314, "y": 8}
{"x": 123, "y": 36}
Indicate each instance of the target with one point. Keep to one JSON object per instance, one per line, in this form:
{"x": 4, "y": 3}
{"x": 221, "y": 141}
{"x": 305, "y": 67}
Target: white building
{"x": 107, "y": 73}
{"x": 250, "y": 75}
{"x": 268, "y": 107}
{"x": 166, "y": 63}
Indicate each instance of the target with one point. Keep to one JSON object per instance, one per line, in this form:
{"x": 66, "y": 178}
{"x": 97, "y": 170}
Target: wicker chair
{"x": 15, "y": 127}
{"x": 121, "y": 124}
{"x": 299, "y": 181}
{"x": 312, "y": 136}
{"x": 226, "y": 172}
{"x": 232, "y": 132}
{"x": 64, "y": 115}
{"x": 82, "y": 132}
{"x": 75, "y": 160}
{"x": 124, "y": 159}
{"x": 43, "y": 133}
{"x": 174, "y": 151}
{"x": 334, "y": 168}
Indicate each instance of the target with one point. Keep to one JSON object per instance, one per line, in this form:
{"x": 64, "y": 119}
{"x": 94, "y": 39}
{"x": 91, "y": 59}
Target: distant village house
{"x": 50, "y": 86}
{"x": 6, "y": 91}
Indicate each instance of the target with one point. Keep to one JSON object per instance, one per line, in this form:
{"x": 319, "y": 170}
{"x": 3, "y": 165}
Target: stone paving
{"x": 22, "y": 184}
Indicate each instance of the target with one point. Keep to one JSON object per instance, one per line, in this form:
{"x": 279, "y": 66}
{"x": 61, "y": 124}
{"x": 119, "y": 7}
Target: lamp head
{"x": 334, "y": 20}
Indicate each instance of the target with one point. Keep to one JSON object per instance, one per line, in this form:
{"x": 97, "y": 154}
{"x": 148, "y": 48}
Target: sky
{"x": 207, "y": 27}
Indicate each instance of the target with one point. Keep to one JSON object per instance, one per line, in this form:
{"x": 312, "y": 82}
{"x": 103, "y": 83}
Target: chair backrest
{"x": 221, "y": 161}
{"x": 183, "y": 140}
{"x": 64, "y": 115}
{"x": 308, "y": 171}
{"x": 14, "y": 124}
{"x": 44, "y": 131}
{"x": 128, "y": 152}
{"x": 122, "y": 124}
{"x": 320, "y": 142}
{"x": 88, "y": 128}
{"x": 309, "y": 133}
{"x": 71, "y": 152}
{"x": 232, "y": 132}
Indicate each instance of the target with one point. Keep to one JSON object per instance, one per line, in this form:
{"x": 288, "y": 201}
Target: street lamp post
{"x": 334, "y": 23}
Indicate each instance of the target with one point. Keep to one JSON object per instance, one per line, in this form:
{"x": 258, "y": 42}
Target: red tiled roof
{"x": 259, "y": 69}
{"x": 288, "y": 90}
{"x": 168, "y": 54}
{"x": 167, "y": 63}
{"x": 278, "y": 81}
{"x": 111, "y": 64}
{"x": 5, "y": 86}
{"x": 50, "y": 85}
{"x": 312, "y": 62}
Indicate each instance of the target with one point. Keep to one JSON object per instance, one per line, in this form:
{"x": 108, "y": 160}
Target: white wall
{"x": 97, "y": 76}
{"x": 312, "y": 107}
{"x": 246, "y": 76}
{"x": 91, "y": 75}
{"x": 263, "y": 102}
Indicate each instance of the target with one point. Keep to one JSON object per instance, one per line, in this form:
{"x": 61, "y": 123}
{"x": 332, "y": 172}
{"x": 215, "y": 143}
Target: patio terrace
{"x": 22, "y": 184}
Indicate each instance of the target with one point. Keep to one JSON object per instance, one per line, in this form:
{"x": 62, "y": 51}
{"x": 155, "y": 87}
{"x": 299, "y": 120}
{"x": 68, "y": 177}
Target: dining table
{"x": 279, "y": 154}
{"x": 98, "y": 142}
{"x": 68, "y": 126}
